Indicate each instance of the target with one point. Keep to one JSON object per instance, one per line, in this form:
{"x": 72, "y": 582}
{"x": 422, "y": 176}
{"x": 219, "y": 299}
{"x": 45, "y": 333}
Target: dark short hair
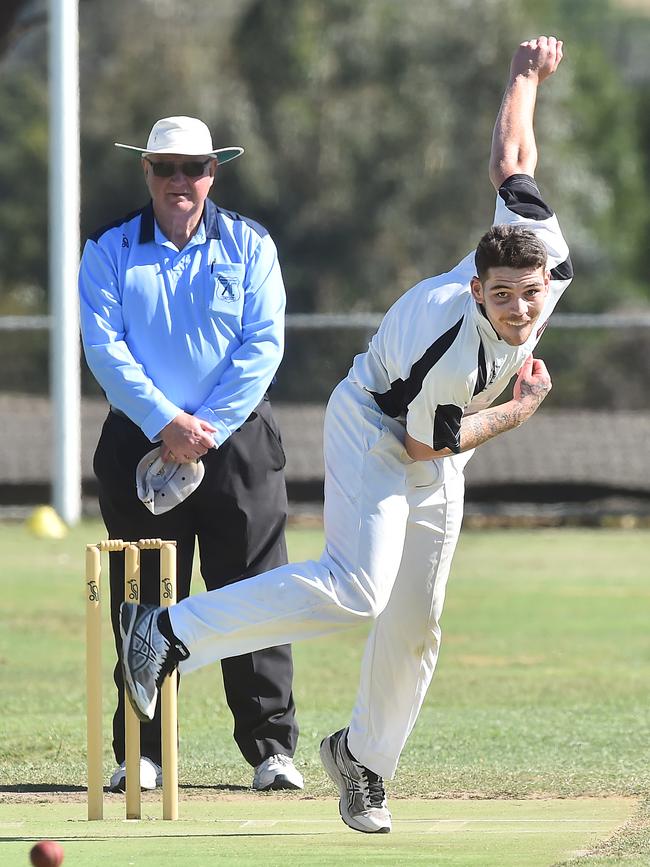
{"x": 509, "y": 246}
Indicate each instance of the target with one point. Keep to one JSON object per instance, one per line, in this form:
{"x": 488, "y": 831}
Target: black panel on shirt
{"x": 256, "y": 227}
{"x": 563, "y": 271}
{"x": 147, "y": 232}
{"x": 446, "y": 427}
{"x": 522, "y": 197}
{"x": 96, "y": 235}
{"x": 395, "y": 401}
{"x": 481, "y": 378}
{"x": 211, "y": 220}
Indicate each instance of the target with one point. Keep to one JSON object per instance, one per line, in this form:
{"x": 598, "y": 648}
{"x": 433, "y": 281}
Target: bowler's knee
{"x": 370, "y": 603}
{"x": 377, "y": 606}
{"x": 359, "y": 595}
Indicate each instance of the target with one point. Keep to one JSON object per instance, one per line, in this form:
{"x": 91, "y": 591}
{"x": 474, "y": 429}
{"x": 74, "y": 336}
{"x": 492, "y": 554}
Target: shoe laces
{"x": 154, "y": 646}
{"x": 168, "y": 665}
{"x": 375, "y": 794}
{"x": 160, "y": 650}
{"x": 280, "y": 759}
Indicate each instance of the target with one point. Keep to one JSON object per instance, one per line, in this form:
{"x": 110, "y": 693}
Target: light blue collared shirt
{"x": 199, "y": 330}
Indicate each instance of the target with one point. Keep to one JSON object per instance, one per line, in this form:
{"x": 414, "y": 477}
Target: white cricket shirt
{"x": 436, "y": 356}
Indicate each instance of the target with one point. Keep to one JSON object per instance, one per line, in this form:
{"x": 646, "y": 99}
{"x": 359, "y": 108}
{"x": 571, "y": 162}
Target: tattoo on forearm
{"x": 482, "y": 426}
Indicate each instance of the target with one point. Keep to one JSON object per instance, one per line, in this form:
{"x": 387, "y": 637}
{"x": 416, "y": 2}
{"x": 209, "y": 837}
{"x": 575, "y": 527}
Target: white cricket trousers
{"x": 391, "y": 527}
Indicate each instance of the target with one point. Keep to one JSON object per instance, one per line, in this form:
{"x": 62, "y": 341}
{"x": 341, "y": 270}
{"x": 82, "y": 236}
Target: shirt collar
{"x": 209, "y": 228}
{"x": 484, "y": 325}
{"x": 197, "y": 238}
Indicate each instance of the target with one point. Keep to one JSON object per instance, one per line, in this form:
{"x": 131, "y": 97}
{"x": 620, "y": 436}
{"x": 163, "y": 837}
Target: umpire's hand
{"x": 186, "y": 439}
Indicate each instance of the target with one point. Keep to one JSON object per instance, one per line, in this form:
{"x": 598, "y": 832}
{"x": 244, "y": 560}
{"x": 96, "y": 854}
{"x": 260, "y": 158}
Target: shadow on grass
{"x": 41, "y": 787}
{"x": 220, "y": 787}
{"x": 70, "y": 838}
{"x": 54, "y": 788}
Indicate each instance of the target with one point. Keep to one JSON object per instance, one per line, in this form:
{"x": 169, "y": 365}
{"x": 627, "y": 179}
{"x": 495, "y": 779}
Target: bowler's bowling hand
{"x": 537, "y": 58}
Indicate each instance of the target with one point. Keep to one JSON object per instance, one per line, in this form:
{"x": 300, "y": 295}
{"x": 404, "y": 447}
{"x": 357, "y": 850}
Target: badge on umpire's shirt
{"x": 228, "y": 287}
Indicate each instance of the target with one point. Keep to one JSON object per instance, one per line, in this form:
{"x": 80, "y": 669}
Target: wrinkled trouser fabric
{"x": 391, "y": 527}
{"x": 237, "y": 516}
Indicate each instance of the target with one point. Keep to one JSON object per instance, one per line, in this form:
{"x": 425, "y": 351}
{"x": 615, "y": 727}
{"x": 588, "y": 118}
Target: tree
{"x": 366, "y": 126}
{"x": 373, "y": 121}
{"x": 23, "y": 189}
{"x": 16, "y": 18}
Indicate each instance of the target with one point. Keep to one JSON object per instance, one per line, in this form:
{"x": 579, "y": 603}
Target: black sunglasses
{"x": 190, "y": 168}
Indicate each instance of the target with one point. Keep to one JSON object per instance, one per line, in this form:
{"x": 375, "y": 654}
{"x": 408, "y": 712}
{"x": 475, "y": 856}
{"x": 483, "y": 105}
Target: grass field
{"x": 532, "y": 747}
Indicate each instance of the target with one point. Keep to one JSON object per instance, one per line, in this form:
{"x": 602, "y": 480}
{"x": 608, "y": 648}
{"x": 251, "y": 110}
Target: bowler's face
{"x": 513, "y": 299}
{"x": 178, "y": 196}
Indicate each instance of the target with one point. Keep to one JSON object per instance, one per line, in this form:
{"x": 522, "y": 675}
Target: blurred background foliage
{"x": 367, "y": 130}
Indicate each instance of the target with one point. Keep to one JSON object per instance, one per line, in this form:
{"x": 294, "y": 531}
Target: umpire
{"x": 182, "y": 314}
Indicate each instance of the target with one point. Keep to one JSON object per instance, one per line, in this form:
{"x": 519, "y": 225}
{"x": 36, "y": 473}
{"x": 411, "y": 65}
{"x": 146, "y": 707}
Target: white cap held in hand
{"x": 161, "y": 486}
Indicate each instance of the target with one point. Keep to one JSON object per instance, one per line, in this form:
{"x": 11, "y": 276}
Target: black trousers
{"x": 238, "y": 515}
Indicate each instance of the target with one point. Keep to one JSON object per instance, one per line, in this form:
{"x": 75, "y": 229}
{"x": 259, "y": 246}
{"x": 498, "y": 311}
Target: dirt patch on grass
{"x": 43, "y": 794}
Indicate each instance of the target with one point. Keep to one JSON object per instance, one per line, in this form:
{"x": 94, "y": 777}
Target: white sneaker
{"x": 363, "y": 800}
{"x": 150, "y": 776}
{"x": 277, "y": 772}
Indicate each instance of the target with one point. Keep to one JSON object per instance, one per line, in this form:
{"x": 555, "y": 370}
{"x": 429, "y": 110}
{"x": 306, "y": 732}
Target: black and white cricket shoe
{"x": 147, "y": 656}
{"x": 363, "y": 800}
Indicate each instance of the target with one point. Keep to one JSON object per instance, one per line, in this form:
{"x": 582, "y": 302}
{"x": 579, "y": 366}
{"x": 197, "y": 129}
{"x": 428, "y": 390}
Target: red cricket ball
{"x": 47, "y": 853}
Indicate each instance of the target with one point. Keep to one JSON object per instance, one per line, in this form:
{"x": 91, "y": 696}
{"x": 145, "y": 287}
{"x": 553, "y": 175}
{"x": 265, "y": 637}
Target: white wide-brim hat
{"x": 185, "y": 136}
{"x": 161, "y": 486}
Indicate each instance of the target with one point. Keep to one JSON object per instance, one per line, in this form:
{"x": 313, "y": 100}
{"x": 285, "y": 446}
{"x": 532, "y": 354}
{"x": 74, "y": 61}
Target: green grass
{"x": 306, "y": 832}
{"x": 541, "y": 690}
